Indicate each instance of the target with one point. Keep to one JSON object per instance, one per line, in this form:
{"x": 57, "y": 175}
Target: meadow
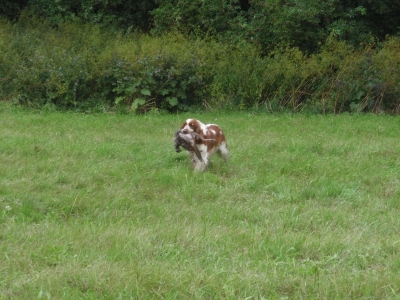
{"x": 99, "y": 206}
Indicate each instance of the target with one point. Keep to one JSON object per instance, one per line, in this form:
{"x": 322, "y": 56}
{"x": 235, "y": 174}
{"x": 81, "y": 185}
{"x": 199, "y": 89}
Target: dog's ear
{"x": 183, "y": 125}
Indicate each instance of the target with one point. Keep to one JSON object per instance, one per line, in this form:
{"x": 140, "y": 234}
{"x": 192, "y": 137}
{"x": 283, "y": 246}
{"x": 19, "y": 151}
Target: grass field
{"x": 101, "y": 207}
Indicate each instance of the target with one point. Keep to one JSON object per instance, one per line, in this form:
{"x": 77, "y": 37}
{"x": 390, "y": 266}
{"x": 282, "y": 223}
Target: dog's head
{"x": 192, "y": 125}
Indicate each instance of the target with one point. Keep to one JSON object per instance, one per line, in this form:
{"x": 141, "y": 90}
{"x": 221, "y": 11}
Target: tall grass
{"x": 101, "y": 207}
{"x": 82, "y": 67}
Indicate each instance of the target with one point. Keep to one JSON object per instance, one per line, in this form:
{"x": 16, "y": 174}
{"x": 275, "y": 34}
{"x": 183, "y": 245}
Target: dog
{"x": 210, "y": 139}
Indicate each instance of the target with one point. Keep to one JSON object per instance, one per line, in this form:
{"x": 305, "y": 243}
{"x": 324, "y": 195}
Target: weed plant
{"x": 101, "y": 207}
{"x": 83, "y": 67}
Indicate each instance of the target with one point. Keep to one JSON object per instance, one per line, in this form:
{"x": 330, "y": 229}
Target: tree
{"x": 11, "y": 9}
{"x": 118, "y": 14}
{"x": 196, "y": 17}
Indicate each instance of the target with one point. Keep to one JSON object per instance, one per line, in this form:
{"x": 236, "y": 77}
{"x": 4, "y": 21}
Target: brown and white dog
{"x": 212, "y": 140}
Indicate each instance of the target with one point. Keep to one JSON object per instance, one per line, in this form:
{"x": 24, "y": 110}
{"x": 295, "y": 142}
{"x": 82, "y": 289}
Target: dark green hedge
{"x": 268, "y": 24}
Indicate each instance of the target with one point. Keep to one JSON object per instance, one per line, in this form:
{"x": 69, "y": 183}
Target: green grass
{"x": 101, "y": 207}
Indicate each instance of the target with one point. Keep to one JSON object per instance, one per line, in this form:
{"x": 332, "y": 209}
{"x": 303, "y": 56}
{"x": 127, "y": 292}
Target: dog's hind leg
{"x": 223, "y": 151}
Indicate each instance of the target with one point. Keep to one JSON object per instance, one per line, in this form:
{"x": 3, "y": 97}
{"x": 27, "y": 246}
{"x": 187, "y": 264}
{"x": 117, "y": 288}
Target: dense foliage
{"x": 302, "y": 24}
{"x": 117, "y": 14}
{"x": 324, "y": 56}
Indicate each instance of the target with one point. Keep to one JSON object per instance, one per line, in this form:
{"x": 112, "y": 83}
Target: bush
{"x": 50, "y": 68}
{"x": 77, "y": 66}
{"x": 161, "y": 82}
{"x": 358, "y": 81}
{"x": 81, "y": 66}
